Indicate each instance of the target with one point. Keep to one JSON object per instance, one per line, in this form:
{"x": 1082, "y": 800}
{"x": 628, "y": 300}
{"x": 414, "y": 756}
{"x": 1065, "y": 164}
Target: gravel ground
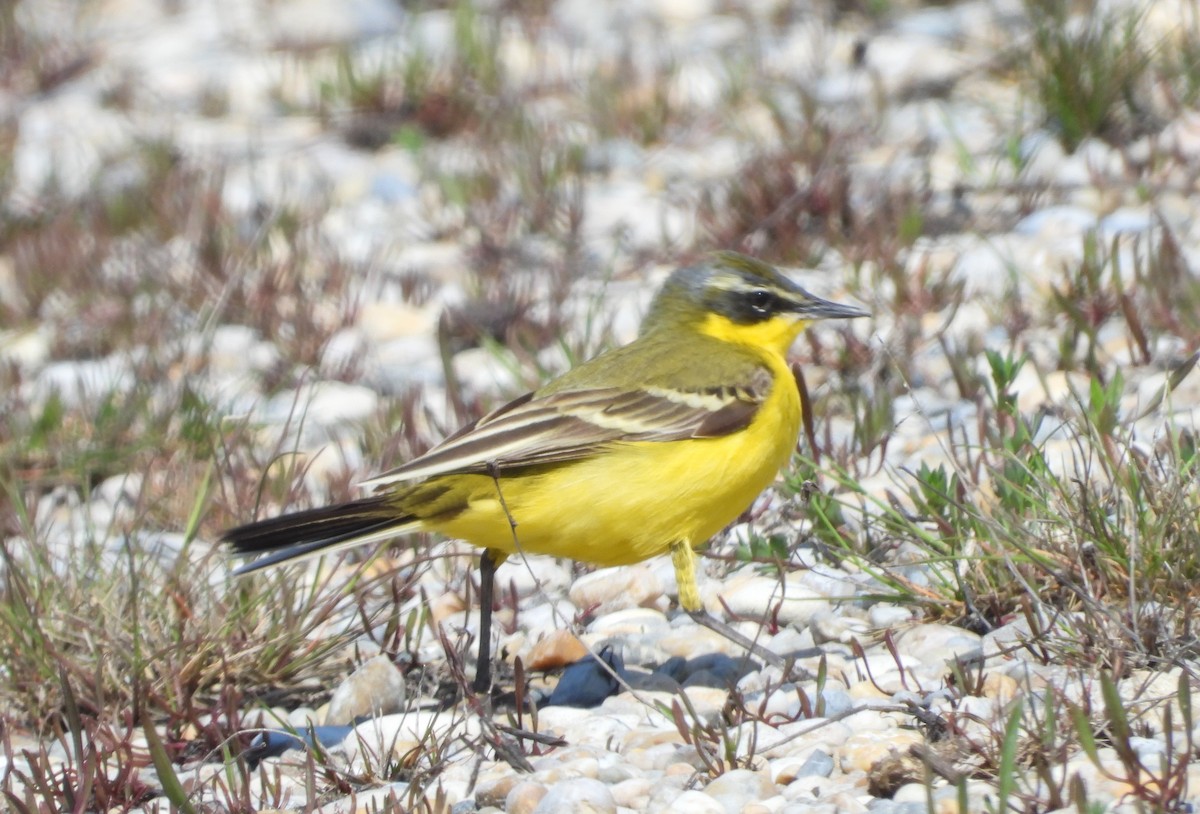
{"x": 255, "y": 93}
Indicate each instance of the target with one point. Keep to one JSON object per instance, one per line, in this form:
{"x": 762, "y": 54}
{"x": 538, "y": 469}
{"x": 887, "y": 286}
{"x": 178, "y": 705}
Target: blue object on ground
{"x": 275, "y": 742}
{"x": 587, "y": 682}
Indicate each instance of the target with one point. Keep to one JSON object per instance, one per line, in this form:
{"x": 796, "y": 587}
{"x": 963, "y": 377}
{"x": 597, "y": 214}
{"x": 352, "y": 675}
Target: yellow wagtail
{"x": 648, "y": 448}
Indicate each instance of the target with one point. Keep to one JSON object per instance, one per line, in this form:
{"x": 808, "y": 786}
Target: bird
{"x": 647, "y": 449}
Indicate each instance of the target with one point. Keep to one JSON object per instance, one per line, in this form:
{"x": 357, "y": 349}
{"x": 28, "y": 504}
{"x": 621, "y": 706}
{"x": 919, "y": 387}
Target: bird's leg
{"x": 684, "y": 560}
{"x": 487, "y": 581}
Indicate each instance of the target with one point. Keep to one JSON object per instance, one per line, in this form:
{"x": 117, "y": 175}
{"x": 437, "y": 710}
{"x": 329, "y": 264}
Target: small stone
{"x": 668, "y": 787}
{"x": 826, "y": 581}
{"x": 557, "y": 719}
{"x": 1006, "y": 637}
{"x": 682, "y": 12}
{"x": 26, "y": 349}
{"x": 236, "y": 349}
{"x": 691, "y": 640}
{"x": 644, "y": 738}
{"x": 834, "y": 702}
{"x": 581, "y": 795}
{"x": 477, "y": 371}
{"x": 384, "y": 798}
{"x": 78, "y": 382}
{"x": 886, "y": 615}
{"x": 706, "y": 702}
{"x": 611, "y": 768}
{"x": 628, "y": 586}
{"x": 936, "y": 643}
{"x": 911, "y": 793}
{"x": 808, "y": 790}
{"x": 847, "y": 802}
{"x": 399, "y": 364}
{"x": 1105, "y": 781}
{"x": 885, "y": 806}
{"x": 791, "y": 642}
{"x": 633, "y": 793}
{"x": 393, "y": 735}
{"x": 567, "y": 764}
{"x": 861, "y": 752}
{"x": 492, "y": 791}
{"x": 558, "y": 649}
{"x": 694, "y": 802}
{"x": 375, "y": 688}
{"x": 1000, "y": 687}
{"x": 739, "y": 787}
{"x": 310, "y": 23}
{"x": 342, "y": 352}
{"x": 759, "y": 597}
{"x": 630, "y": 622}
{"x": 534, "y": 576}
{"x": 327, "y": 409}
{"x": 1057, "y": 220}
{"x": 841, "y": 629}
{"x": 303, "y": 717}
{"x": 819, "y": 763}
{"x": 524, "y": 797}
{"x": 540, "y": 620}
{"x": 1127, "y": 220}
{"x": 445, "y": 605}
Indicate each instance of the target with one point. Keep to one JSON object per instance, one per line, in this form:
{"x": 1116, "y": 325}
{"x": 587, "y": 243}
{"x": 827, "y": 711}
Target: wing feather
{"x": 568, "y": 425}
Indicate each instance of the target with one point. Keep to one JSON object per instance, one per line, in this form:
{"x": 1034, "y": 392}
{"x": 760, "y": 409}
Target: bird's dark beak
{"x": 810, "y": 307}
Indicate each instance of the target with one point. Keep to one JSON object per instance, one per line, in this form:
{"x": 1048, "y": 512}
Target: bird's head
{"x": 740, "y": 299}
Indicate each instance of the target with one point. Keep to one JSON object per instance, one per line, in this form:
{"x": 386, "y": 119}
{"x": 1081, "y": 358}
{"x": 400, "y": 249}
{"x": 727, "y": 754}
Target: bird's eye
{"x": 761, "y": 301}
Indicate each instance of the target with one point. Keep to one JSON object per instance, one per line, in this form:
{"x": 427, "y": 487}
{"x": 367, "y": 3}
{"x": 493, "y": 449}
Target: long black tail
{"x": 316, "y": 531}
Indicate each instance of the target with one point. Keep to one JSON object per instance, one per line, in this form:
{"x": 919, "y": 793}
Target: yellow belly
{"x": 634, "y": 500}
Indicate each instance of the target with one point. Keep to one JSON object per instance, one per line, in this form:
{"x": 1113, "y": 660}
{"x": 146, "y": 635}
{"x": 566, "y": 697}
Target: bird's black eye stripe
{"x": 747, "y": 303}
{"x": 762, "y": 302}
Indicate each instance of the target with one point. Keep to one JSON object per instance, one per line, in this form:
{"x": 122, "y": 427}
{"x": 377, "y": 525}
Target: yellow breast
{"x": 634, "y": 500}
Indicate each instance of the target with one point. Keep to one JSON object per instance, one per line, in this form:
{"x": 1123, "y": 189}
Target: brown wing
{"x": 573, "y": 424}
